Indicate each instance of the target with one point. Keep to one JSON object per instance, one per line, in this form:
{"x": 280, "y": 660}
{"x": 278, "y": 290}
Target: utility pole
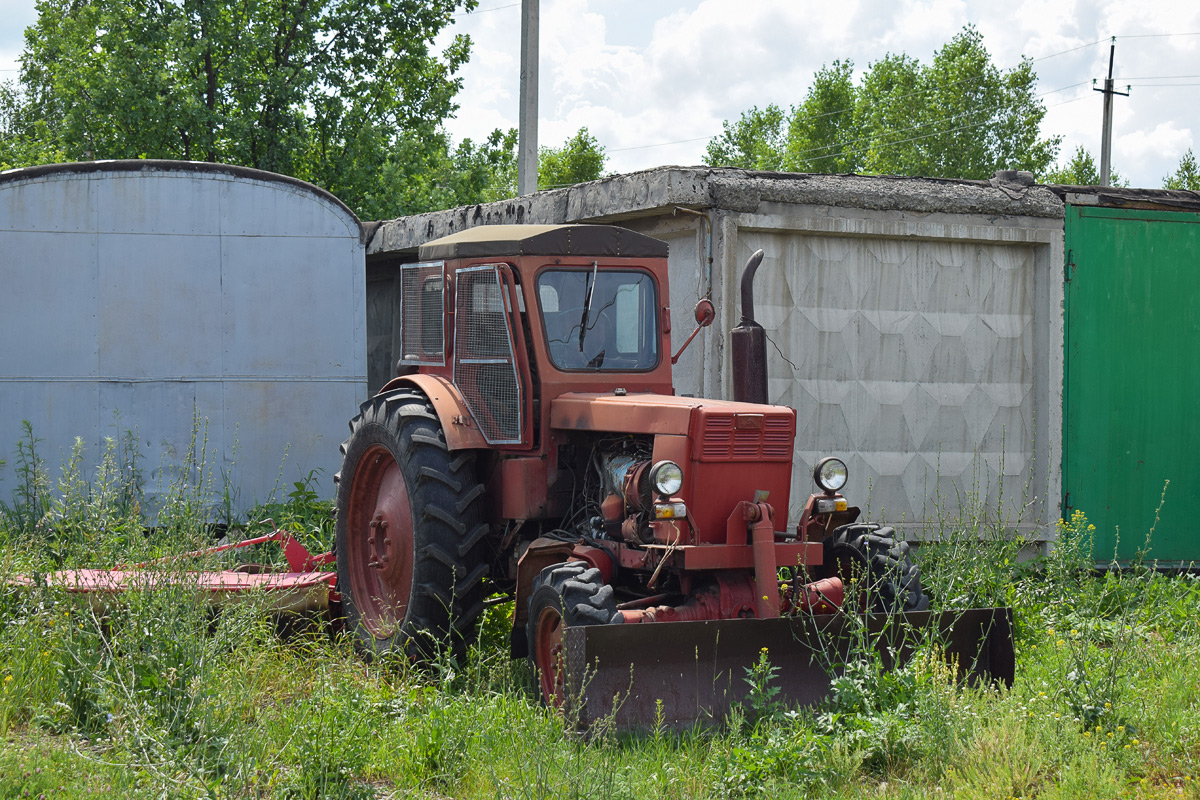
{"x": 527, "y": 146}
{"x": 1106, "y": 132}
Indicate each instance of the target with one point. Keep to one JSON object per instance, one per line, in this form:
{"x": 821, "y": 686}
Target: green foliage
{"x": 822, "y": 129}
{"x": 1186, "y": 175}
{"x": 756, "y": 141}
{"x": 958, "y": 117}
{"x": 580, "y": 159}
{"x": 158, "y": 695}
{"x": 763, "y": 699}
{"x": 1081, "y": 170}
{"x": 338, "y": 94}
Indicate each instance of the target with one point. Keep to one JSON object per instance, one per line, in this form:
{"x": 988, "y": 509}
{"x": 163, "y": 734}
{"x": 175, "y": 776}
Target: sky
{"x": 653, "y": 80}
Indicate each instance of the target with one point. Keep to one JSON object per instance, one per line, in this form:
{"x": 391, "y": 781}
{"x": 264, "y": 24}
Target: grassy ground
{"x": 161, "y": 698}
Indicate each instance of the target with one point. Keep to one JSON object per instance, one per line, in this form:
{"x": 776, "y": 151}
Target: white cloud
{"x": 639, "y": 73}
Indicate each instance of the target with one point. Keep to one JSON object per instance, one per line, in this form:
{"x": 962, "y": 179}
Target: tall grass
{"x": 157, "y": 695}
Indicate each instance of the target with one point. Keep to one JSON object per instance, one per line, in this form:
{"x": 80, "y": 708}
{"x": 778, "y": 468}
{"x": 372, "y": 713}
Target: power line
{"x": 913, "y": 94}
{"x": 1157, "y": 35}
{"x": 851, "y": 141}
{"x": 1153, "y": 78}
{"x": 832, "y": 149}
{"x": 485, "y": 10}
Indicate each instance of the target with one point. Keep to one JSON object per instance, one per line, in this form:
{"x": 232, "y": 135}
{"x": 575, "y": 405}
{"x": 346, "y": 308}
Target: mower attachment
{"x": 304, "y": 587}
{"x": 681, "y": 674}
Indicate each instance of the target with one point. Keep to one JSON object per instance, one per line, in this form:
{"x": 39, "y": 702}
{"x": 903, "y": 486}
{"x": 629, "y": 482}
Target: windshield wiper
{"x": 587, "y": 305}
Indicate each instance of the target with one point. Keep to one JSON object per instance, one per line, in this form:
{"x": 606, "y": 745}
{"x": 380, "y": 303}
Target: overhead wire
{"x": 898, "y": 98}
{"x": 832, "y": 149}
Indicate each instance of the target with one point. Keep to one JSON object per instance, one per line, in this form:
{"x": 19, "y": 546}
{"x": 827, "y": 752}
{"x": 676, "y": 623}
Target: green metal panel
{"x": 1132, "y": 384}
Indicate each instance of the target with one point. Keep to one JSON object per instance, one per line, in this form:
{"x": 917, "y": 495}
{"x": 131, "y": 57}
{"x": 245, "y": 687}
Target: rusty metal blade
{"x": 679, "y": 674}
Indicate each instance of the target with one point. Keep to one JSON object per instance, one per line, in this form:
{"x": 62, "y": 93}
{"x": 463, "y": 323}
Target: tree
{"x": 756, "y": 141}
{"x": 1186, "y": 175}
{"x": 331, "y": 91}
{"x": 958, "y": 117}
{"x": 1081, "y": 170}
{"x": 24, "y": 139}
{"x": 580, "y": 159}
{"x": 822, "y": 130}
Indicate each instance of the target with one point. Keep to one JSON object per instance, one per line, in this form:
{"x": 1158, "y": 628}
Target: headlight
{"x": 830, "y": 474}
{"x": 666, "y": 477}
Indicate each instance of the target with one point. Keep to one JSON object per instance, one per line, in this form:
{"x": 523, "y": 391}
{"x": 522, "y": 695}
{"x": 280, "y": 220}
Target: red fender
{"x": 461, "y": 431}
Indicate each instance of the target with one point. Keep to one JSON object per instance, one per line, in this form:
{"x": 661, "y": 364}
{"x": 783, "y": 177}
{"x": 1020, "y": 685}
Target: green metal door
{"x": 1132, "y": 384}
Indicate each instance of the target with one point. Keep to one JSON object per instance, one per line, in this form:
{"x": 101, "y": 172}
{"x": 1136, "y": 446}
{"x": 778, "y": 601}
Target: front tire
{"x": 563, "y": 595}
{"x": 872, "y": 556}
{"x": 410, "y": 532}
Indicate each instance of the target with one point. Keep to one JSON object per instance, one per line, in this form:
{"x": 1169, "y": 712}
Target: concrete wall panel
{"x": 911, "y": 358}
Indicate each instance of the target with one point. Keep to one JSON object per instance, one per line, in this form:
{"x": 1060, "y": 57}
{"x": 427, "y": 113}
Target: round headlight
{"x": 830, "y": 474}
{"x": 666, "y": 477}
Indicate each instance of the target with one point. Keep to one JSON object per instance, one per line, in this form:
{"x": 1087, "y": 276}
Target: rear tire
{"x": 410, "y": 532}
{"x": 873, "y": 556}
{"x": 563, "y": 596}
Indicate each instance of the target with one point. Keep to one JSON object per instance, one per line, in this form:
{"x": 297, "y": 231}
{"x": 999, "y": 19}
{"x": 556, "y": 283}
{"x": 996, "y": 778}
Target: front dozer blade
{"x": 680, "y": 674}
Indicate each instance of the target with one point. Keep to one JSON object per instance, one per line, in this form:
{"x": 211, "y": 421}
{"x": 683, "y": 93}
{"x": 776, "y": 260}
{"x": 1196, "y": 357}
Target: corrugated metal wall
{"x": 138, "y": 299}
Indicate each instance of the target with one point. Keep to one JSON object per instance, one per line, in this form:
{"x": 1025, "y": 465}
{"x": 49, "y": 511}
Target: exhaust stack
{"x": 749, "y": 343}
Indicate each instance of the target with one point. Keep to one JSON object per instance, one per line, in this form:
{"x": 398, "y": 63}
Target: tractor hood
{"x": 773, "y": 428}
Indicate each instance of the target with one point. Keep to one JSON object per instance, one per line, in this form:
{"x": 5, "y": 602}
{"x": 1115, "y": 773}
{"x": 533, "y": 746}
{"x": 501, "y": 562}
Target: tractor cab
{"x": 514, "y": 316}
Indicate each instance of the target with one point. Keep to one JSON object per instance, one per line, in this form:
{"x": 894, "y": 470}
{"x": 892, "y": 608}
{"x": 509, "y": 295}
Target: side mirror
{"x": 705, "y": 314}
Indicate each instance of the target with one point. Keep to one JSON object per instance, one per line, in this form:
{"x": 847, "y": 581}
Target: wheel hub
{"x": 381, "y": 554}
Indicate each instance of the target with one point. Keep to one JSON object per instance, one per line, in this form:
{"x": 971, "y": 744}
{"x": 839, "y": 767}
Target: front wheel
{"x": 410, "y": 532}
{"x": 564, "y": 595}
{"x": 870, "y": 556}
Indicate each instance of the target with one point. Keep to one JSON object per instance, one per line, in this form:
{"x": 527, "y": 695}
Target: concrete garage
{"x": 918, "y": 323}
{"x": 151, "y": 295}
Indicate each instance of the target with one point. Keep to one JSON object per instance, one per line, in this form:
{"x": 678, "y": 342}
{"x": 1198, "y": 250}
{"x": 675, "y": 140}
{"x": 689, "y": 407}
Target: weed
{"x": 763, "y": 698}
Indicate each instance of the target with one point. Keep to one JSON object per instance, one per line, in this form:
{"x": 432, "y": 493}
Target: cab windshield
{"x": 599, "y": 320}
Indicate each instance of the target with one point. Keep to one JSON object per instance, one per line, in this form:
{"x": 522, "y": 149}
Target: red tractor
{"x": 533, "y": 447}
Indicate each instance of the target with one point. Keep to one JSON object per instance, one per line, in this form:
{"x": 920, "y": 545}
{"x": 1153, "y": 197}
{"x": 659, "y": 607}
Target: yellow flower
{"x": 1108, "y": 705}
{"x": 7, "y": 678}
{"x": 1133, "y": 741}
{"x": 1120, "y": 729}
{"x": 1087, "y": 733}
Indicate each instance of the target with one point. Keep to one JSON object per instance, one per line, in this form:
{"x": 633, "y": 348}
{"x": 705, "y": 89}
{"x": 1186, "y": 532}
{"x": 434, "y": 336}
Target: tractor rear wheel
{"x": 563, "y": 596}
{"x": 871, "y": 555}
{"x": 410, "y": 532}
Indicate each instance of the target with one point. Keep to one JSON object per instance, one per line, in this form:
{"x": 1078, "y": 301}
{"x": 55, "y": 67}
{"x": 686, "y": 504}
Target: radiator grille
{"x": 422, "y": 314}
{"x": 484, "y": 367}
{"x": 723, "y": 440}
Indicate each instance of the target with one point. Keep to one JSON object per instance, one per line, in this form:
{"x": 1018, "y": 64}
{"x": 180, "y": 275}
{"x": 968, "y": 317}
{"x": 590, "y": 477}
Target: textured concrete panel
{"x": 912, "y": 361}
